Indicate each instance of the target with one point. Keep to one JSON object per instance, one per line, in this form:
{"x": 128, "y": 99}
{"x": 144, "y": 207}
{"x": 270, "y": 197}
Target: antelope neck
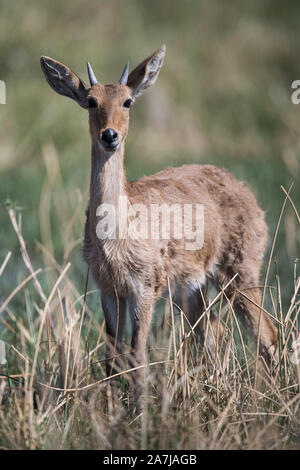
{"x": 107, "y": 177}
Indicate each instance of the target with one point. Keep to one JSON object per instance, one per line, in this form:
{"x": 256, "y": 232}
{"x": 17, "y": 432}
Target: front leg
{"x": 140, "y": 308}
{"x": 115, "y": 317}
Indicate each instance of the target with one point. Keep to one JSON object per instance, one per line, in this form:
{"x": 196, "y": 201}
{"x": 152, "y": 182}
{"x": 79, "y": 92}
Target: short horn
{"x": 124, "y": 76}
{"x": 92, "y": 77}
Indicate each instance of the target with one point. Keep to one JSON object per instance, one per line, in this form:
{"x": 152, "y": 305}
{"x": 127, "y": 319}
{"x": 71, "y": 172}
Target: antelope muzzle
{"x": 110, "y": 140}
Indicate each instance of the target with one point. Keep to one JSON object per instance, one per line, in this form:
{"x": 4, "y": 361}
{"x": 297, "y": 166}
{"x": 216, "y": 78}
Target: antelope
{"x": 134, "y": 272}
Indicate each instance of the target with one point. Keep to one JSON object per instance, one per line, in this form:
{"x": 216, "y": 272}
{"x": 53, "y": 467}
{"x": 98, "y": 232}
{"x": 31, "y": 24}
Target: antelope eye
{"x": 127, "y": 103}
{"x": 92, "y": 102}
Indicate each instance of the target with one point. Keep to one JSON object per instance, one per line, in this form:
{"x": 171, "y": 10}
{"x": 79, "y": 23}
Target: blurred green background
{"x": 223, "y": 97}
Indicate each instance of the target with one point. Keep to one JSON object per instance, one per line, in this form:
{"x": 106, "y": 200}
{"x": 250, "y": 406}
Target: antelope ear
{"x": 64, "y": 81}
{"x": 146, "y": 73}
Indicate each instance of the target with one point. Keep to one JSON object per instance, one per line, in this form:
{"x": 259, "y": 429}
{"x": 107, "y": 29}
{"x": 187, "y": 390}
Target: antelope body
{"x": 133, "y": 272}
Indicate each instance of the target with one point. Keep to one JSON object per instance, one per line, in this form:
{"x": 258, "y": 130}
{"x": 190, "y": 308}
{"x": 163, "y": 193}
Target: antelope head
{"x": 108, "y": 105}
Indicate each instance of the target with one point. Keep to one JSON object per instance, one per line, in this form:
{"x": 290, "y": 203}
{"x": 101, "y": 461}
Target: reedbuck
{"x": 133, "y": 264}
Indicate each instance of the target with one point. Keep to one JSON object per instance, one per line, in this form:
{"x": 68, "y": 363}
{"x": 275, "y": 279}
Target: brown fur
{"x": 134, "y": 272}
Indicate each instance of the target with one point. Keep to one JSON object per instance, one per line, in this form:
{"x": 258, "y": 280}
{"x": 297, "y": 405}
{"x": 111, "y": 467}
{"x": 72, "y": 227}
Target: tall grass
{"x": 53, "y": 388}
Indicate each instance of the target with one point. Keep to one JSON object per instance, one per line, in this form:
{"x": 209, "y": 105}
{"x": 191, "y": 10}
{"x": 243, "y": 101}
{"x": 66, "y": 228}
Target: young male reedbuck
{"x": 132, "y": 271}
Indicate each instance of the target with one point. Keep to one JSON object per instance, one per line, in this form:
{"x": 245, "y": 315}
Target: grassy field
{"x": 223, "y": 97}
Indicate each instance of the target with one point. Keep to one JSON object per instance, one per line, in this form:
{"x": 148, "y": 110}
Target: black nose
{"x": 109, "y": 136}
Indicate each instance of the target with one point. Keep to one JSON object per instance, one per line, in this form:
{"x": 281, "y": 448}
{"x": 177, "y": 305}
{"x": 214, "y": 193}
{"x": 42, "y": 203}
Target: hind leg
{"x": 257, "y": 322}
{"x": 245, "y": 297}
{"x": 208, "y": 326}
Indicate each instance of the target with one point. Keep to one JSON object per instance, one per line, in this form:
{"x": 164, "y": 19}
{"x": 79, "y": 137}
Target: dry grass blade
{"x": 7, "y": 257}
{"x": 45, "y": 311}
